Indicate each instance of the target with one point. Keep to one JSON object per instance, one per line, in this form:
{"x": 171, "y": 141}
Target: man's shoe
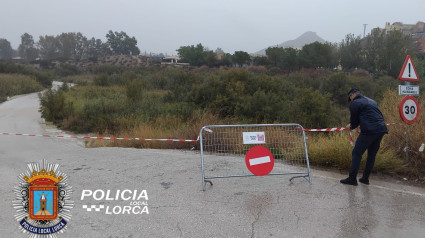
{"x": 349, "y": 181}
{"x": 364, "y": 180}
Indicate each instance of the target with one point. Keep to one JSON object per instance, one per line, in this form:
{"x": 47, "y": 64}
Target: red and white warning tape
{"x": 340, "y": 129}
{"x": 336, "y": 128}
{"x": 327, "y": 129}
{"x": 144, "y": 139}
{"x": 98, "y": 137}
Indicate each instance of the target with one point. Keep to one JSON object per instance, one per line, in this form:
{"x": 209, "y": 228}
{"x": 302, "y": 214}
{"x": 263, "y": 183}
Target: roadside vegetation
{"x": 176, "y": 103}
{"x": 306, "y": 86}
{"x": 18, "y": 79}
{"x": 16, "y": 84}
{"x": 118, "y": 101}
{"x": 44, "y": 78}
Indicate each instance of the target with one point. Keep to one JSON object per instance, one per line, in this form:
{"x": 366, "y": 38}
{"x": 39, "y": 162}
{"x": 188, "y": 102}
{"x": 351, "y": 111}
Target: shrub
{"x": 66, "y": 70}
{"x": 53, "y": 106}
{"x": 334, "y": 150}
{"x": 15, "y": 84}
{"x": 331, "y": 149}
{"x": 44, "y": 78}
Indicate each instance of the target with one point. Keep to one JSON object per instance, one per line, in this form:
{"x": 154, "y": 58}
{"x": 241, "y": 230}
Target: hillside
{"x": 306, "y": 38}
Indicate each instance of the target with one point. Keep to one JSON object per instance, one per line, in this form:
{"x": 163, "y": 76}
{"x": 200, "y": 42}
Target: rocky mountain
{"x": 306, "y": 38}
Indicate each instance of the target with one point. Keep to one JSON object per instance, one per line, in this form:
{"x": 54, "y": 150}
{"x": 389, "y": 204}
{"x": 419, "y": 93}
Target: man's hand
{"x": 347, "y": 127}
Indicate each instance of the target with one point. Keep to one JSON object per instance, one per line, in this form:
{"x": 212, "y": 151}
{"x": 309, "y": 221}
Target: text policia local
{"x": 137, "y": 200}
{"x": 123, "y": 195}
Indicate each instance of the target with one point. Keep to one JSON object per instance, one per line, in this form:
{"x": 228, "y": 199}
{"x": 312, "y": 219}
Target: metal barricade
{"x": 223, "y": 150}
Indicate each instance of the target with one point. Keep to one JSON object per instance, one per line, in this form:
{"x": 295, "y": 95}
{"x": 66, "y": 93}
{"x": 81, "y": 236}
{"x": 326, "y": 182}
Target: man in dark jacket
{"x": 366, "y": 114}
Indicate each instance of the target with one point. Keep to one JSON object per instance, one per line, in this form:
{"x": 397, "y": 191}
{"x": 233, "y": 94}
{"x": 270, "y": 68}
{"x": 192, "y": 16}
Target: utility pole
{"x": 364, "y": 30}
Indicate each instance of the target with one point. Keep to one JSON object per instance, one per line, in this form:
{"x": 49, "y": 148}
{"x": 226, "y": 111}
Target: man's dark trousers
{"x": 371, "y": 143}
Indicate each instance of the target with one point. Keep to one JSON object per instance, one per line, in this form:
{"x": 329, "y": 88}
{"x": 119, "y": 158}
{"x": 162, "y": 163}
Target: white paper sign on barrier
{"x": 254, "y": 137}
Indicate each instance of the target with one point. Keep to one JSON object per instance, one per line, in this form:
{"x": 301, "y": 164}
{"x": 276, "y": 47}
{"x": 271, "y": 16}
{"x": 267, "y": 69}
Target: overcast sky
{"x": 162, "y": 26}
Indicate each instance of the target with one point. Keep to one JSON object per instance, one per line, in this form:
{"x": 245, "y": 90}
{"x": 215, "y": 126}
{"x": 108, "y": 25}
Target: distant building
{"x": 220, "y": 55}
{"x": 173, "y": 60}
{"x": 421, "y": 45}
{"x": 416, "y": 31}
{"x": 18, "y": 59}
{"x": 170, "y": 60}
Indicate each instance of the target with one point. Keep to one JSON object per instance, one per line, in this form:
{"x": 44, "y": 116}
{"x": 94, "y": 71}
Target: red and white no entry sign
{"x": 409, "y": 109}
{"x": 259, "y": 160}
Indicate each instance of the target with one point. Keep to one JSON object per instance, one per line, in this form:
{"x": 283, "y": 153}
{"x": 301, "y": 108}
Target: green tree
{"x": 285, "y": 58}
{"x": 373, "y": 51}
{"x": 73, "y": 46}
{"x": 397, "y": 46}
{"x": 241, "y": 58}
{"x": 92, "y": 49}
{"x": 290, "y": 58}
{"x": 194, "y": 55}
{"x": 337, "y": 85}
{"x": 27, "y": 49}
{"x": 275, "y": 55}
{"x": 384, "y": 52}
{"x": 81, "y": 46}
{"x": 261, "y": 60}
{"x": 226, "y": 60}
{"x": 351, "y": 52}
{"x": 66, "y": 45}
{"x": 313, "y": 109}
{"x": 96, "y": 48}
{"x": 317, "y": 55}
{"x": 49, "y": 47}
{"x": 121, "y": 44}
{"x": 6, "y": 50}
{"x": 211, "y": 58}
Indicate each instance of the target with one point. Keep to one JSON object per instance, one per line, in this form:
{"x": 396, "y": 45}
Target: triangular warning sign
{"x": 408, "y": 71}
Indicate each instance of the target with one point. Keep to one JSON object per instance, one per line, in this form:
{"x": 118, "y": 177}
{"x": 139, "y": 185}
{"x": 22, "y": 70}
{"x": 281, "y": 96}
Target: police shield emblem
{"x": 43, "y": 200}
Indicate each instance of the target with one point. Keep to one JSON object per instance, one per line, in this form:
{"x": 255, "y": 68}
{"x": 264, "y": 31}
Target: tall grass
{"x": 16, "y": 84}
{"x": 331, "y": 149}
{"x": 170, "y": 127}
{"x": 334, "y": 150}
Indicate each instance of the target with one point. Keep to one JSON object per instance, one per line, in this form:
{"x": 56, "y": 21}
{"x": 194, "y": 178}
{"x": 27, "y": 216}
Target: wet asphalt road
{"x": 238, "y": 207}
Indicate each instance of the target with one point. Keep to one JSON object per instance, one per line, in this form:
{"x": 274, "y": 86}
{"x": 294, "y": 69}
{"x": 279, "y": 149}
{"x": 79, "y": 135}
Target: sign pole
{"x": 409, "y": 106}
{"x": 407, "y": 143}
{"x": 407, "y": 83}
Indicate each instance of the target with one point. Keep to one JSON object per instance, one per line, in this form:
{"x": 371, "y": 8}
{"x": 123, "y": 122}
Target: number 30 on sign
{"x": 409, "y": 109}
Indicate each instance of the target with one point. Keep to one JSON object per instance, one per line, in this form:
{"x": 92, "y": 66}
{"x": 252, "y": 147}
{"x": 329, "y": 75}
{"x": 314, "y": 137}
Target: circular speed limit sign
{"x": 409, "y": 109}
